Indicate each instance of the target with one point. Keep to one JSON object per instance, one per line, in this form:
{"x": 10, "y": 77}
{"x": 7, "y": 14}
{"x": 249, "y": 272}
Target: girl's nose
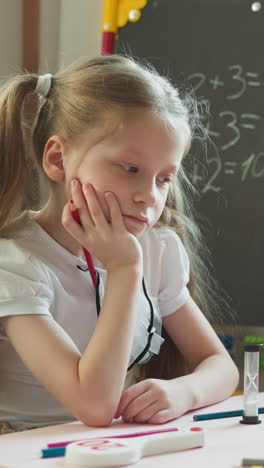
{"x": 147, "y": 194}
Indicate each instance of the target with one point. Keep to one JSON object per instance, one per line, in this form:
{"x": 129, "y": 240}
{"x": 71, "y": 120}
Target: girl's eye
{"x": 165, "y": 180}
{"x": 128, "y": 168}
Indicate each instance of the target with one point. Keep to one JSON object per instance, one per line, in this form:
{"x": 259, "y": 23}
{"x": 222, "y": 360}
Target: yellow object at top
{"x": 117, "y": 13}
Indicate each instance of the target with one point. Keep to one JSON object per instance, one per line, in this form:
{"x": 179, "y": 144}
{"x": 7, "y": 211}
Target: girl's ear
{"x": 53, "y": 153}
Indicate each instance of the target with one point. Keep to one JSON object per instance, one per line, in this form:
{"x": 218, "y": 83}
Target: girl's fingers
{"x": 140, "y": 406}
{"x": 90, "y": 211}
{"x": 148, "y": 412}
{"x": 116, "y": 217}
{"x": 96, "y": 213}
{"x": 70, "y": 224}
{"x": 130, "y": 395}
{"x": 80, "y": 204}
{"x": 163, "y": 416}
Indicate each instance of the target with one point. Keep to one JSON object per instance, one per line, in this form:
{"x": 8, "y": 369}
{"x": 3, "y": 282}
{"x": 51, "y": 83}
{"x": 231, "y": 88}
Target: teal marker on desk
{"x": 53, "y": 452}
{"x": 222, "y": 414}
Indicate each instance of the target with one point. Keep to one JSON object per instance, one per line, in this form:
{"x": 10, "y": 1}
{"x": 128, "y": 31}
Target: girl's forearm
{"x": 103, "y": 366}
{"x": 213, "y": 380}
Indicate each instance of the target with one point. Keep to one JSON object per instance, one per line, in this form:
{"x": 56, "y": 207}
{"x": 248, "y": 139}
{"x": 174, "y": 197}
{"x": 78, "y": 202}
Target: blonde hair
{"x": 80, "y": 96}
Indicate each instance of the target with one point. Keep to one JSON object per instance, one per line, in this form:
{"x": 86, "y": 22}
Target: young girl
{"x": 109, "y": 136}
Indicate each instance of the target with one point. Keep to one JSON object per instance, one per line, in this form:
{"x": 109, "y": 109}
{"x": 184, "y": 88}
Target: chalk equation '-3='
{"x": 232, "y": 126}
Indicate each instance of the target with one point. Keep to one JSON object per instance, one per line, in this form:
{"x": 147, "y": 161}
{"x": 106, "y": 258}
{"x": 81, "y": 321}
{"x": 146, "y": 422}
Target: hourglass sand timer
{"x": 251, "y": 383}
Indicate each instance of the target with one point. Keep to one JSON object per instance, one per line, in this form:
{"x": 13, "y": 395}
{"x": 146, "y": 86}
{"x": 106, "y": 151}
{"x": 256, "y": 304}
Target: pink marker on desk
{"x": 116, "y": 452}
{"x": 117, "y": 436}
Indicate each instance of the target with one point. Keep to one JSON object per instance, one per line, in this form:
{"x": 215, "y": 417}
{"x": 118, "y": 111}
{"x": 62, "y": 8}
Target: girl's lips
{"x": 137, "y": 219}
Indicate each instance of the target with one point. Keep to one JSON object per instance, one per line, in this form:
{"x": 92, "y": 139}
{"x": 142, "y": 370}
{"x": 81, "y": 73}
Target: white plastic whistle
{"x": 116, "y": 452}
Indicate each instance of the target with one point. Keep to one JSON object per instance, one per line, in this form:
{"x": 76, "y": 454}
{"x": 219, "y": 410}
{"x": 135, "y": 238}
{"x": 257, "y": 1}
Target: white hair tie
{"x": 43, "y": 85}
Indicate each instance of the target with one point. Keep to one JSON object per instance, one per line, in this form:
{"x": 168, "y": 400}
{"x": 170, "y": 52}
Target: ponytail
{"x": 17, "y": 186}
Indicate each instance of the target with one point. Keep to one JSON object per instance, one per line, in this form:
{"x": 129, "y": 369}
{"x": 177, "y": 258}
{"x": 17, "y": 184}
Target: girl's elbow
{"x": 96, "y": 420}
{"x": 232, "y": 375}
{"x": 235, "y": 375}
{"x": 96, "y": 415}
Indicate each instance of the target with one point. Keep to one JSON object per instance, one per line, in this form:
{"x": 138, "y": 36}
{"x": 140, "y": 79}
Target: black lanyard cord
{"x": 150, "y": 333}
{"x": 150, "y": 305}
{"x": 98, "y": 307}
{"x": 151, "y": 321}
{"x": 97, "y": 294}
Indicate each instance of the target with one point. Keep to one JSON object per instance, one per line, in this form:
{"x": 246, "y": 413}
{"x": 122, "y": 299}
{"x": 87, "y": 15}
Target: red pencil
{"x": 88, "y": 258}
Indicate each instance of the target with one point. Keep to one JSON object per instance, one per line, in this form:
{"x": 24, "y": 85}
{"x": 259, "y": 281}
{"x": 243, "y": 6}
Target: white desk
{"x": 227, "y": 441}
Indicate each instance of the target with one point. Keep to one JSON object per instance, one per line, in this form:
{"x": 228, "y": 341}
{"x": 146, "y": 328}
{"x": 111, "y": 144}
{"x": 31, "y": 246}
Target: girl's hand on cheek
{"x": 153, "y": 401}
{"x": 109, "y": 241}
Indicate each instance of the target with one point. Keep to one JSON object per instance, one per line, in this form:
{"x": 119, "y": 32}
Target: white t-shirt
{"x": 39, "y": 276}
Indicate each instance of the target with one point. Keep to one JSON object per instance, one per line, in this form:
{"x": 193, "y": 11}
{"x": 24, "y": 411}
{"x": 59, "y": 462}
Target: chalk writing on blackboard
{"x": 240, "y": 78}
{"x": 216, "y": 48}
{"x": 229, "y": 127}
{"x": 252, "y": 166}
{"x": 234, "y": 123}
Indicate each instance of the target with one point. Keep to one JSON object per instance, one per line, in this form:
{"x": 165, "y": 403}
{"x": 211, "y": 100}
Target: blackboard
{"x": 217, "y": 46}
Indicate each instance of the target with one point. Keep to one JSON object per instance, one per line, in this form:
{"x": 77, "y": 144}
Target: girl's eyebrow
{"x": 133, "y": 152}
{"x": 173, "y": 168}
